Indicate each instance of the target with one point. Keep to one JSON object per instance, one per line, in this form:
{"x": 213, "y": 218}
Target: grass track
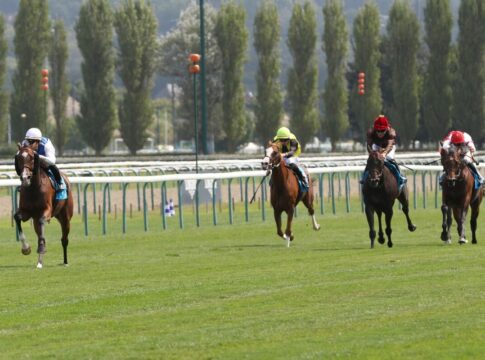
{"x": 235, "y": 292}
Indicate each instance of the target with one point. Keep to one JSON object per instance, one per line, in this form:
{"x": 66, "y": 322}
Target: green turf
{"x": 236, "y": 292}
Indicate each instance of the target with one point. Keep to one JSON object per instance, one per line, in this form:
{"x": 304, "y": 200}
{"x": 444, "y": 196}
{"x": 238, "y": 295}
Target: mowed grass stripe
{"x": 237, "y": 292}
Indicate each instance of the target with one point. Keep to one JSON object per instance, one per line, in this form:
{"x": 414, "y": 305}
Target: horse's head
{"x": 26, "y": 164}
{"x": 453, "y": 164}
{"x": 272, "y": 157}
{"x": 375, "y": 167}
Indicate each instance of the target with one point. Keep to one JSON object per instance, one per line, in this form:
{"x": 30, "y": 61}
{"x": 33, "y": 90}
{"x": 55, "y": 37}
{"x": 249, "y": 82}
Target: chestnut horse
{"x": 459, "y": 193}
{"x": 38, "y": 201}
{"x": 380, "y": 190}
{"x": 285, "y": 193}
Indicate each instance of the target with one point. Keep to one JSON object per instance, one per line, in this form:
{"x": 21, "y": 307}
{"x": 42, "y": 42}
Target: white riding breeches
{"x": 390, "y": 154}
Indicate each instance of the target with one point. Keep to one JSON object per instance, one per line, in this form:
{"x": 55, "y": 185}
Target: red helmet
{"x": 457, "y": 137}
{"x": 381, "y": 123}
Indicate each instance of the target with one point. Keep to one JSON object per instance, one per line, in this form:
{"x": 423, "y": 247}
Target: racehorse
{"x": 380, "y": 190}
{"x": 38, "y": 201}
{"x": 285, "y": 193}
{"x": 459, "y": 193}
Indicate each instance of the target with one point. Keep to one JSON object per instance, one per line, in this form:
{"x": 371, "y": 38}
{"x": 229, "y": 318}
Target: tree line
{"x": 425, "y": 82}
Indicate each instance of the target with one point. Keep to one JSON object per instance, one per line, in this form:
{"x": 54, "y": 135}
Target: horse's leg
{"x": 18, "y": 221}
{"x": 288, "y": 234}
{"x": 277, "y": 218}
{"x": 66, "y": 227}
{"x": 39, "y": 225}
{"x": 445, "y": 224}
{"x": 381, "y": 233}
{"x": 388, "y": 215}
{"x": 460, "y": 217}
{"x": 369, "y": 213}
{"x": 473, "y": 221}
{"x": 404, "y": 200}
{"x": 308, "y": 202}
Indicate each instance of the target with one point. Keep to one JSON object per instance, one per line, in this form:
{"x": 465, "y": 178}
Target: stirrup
{"x": 61, "y": 186}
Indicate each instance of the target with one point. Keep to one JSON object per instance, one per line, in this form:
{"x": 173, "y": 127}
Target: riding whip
{"x": 264, "y": 177}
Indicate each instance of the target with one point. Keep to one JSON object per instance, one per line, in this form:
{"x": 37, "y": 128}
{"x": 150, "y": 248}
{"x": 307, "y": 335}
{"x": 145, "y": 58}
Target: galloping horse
{"x": 285, "y": 193}
{"x": 37, "y": 201}
{"x": 458, "y": 194}
{"x": 380, "y": 190}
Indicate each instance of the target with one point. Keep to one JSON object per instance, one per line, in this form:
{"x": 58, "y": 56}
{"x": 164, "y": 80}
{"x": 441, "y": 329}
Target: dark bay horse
{"x": 37, "y": 201}
{"x": 459, "y": 193}
{"x": 285, "y": 193}
{"x": 380, "y": 190}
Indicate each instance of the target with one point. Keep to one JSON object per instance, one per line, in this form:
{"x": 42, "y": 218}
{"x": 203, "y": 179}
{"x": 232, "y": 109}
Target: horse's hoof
{"x": 412, "y": 228}
{"x": 462, "y": 241}
{"x": 26, "y": 251}
{"x": 389, "y": 244}
{"x": 39, "y": 265}
{"x": 292, "y": 237}
{"x": 444, "y": 236}
{"x": 474, "y": 241}
{"x": 381, "y": 240}
{"x": 316, "y": 228}
{"x": 448, "y": 242}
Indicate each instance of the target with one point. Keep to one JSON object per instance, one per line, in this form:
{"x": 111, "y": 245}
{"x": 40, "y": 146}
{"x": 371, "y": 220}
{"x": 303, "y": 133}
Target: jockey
{"x": 464, "y": 141}
{"x": 47, "y": 153}
{"x": 290, "y": 148}
{"x": 382, "y": 138}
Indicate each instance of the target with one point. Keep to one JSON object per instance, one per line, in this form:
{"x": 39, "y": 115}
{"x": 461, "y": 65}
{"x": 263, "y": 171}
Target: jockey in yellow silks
{"x": 290, "y": 148}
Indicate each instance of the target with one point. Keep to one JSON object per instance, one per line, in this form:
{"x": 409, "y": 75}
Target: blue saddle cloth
{"x": 61, "y": 194}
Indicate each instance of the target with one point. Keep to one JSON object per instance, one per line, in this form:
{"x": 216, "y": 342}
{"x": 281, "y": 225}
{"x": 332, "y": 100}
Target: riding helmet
{"x": 381, "y": 123}
{"x": 33, "y": 134}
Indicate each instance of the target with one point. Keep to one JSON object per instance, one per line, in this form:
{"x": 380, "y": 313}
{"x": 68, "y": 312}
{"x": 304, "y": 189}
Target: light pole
{"x": 195, "y": 69}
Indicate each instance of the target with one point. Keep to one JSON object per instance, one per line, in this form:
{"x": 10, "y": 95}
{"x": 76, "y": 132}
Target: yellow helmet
{"x": 283, "y": 133}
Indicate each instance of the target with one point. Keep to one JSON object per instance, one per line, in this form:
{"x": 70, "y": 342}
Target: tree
{"x": 3, "y": 69}
{"x": 94, "y": 32}
{"x": 437, "y": 83}
{"x": 468, "y": 89}
{"x": 232, "y": 37}
{"x": 366, "y": 59}
{"x": 136, "y": 27}
{"x": 269, "y": 108}
{"x": 335, "y": 44}
{"x": 59, "y": 82}
{"x": 302, "y": 76}
{"x": 403, "y": 44}
{"x": 173, "y": 52}
{"x": 31, "y": 43}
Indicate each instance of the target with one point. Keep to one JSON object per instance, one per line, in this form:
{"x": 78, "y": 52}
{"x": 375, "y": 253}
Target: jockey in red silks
{"x": 47, "y": 153}
{"x": 464, "y": 141}
{"x": 290, "y": 148}
{"x": 381, "y": 137}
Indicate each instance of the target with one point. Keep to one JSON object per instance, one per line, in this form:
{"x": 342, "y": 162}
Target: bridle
{"x": 272, "y": 158}
{"x": 453, "y": 168}
{"x": 376, "y": 170}
{"x": 26, "y": 165}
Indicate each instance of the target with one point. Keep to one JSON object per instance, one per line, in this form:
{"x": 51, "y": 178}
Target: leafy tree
{"x": 232, "y": 38}
{"x": 367, "y": 56}
{"x": 269, "y": 108}
{"x": 136, "y": 27}
{"x": 174, "y": 49}
{"x": 31, "y": 43}
{"x": 94, "y": 32}
{"x": 335, "y": 44}
{"x": 403, "y": 44}
{"x": 59, "y": 84}
{"x": 468, "y": 89}
{"x": 302, "y": 77}
{"x": 3, "y": 68}
{"x": 437, "y": 83}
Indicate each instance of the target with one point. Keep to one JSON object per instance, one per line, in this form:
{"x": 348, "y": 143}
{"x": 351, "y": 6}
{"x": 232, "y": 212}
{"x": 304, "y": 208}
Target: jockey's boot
{"x": 402, "y": 178}
{"x": 57, "y": 176}
{"x": 441, "y": 178}
{"x": 476, "y": 172}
